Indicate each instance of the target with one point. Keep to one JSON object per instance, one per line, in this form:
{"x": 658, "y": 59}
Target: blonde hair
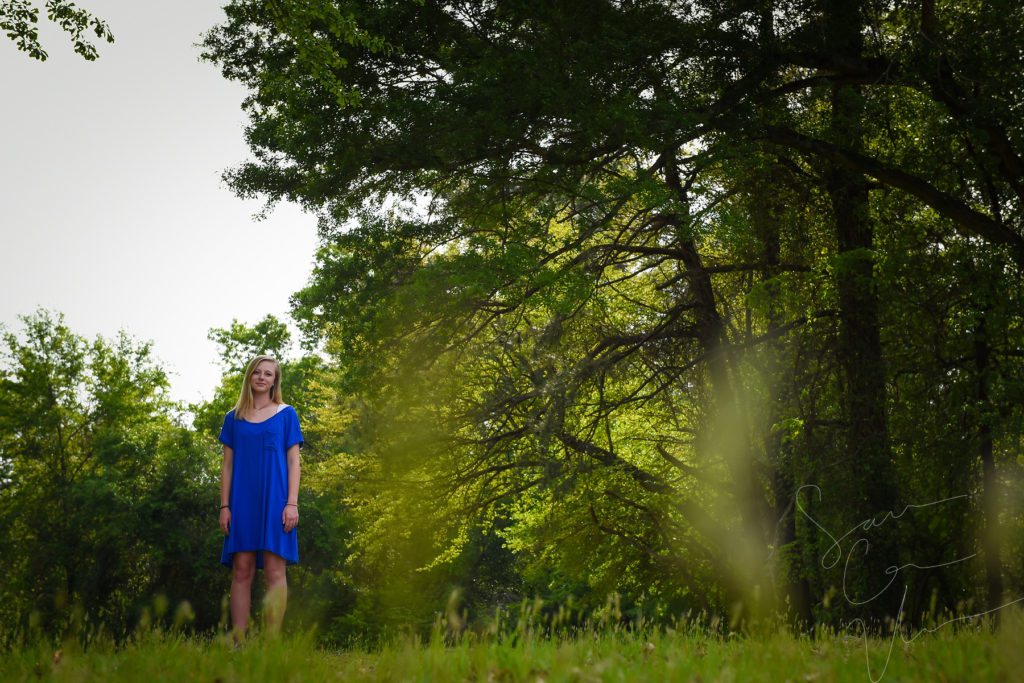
{"x": 244, "y": 405}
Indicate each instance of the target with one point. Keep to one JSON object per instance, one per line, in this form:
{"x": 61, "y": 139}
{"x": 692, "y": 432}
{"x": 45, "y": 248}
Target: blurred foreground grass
{"x": 689, "y": 654}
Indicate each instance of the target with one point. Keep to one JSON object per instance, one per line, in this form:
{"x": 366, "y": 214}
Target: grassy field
{"x": 946, "y": 655}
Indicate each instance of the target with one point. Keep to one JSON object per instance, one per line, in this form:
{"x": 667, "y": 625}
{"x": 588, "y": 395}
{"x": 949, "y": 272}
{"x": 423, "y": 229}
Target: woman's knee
{"x": 243, "y": 567}
{"x": 274, "y": 566}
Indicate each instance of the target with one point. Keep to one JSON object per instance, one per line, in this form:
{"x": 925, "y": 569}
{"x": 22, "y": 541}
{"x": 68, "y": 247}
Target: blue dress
{"x": 259, "y": 484}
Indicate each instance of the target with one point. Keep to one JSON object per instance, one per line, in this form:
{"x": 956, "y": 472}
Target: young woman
{"x": 259, "y": 492}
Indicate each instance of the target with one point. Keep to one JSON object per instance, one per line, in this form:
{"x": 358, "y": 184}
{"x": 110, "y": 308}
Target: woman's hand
{"x": 290, "y": 517}
{"x": 225, "y": 521}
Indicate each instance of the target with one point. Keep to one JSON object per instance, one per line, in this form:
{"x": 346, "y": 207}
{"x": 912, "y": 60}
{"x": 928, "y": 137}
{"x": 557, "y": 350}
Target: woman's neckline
{"x": 280, "y": 409}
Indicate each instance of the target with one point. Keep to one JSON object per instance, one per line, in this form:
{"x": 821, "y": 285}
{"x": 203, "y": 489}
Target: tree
{"x": 104, "y": 501}
{"x": 600, "y": 254}
{"x": 240, "y": 343}
{"x": 19, "y": 19}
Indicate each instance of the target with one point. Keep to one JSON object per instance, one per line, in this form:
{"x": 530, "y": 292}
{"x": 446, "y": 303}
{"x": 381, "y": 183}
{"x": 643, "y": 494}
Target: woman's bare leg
{"x": 277, "y": 590}
{"x": 243, "y": 568}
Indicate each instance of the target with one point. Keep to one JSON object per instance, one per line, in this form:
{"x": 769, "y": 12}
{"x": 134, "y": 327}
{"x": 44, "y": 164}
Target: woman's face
{"x": 262, "y": 377}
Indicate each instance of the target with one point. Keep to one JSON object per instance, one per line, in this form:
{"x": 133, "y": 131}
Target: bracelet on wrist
{"x": 225, "y": 506}
{"x": 294, "y": 505}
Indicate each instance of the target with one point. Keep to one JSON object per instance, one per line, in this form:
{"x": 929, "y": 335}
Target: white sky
{"x": 111, "y": 206}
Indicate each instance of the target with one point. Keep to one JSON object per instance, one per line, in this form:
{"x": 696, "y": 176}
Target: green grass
{"x": 611, "y": 655}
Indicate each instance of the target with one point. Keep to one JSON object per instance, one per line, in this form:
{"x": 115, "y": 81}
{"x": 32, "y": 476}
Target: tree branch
{"x": 972, "y": 222}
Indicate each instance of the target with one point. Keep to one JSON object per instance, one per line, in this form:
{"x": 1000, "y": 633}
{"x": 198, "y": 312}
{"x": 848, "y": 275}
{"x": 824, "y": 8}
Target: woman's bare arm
{"x": 290, "y": 514}
{"x": 226, "y": 469}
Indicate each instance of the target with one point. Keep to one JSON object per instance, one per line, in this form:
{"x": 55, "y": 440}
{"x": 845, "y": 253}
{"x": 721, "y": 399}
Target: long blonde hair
{"x": 244, "y": 405}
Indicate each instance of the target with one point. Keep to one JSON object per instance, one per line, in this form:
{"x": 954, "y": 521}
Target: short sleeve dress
{"x": 259, "y": 484}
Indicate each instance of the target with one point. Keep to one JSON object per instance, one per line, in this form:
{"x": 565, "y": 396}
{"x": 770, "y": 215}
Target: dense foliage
{"x": 104, "y": 497}
{"x": 663, "y": 293}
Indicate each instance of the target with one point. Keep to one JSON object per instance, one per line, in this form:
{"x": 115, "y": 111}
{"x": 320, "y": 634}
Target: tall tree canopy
{"x": 647, "y": 272}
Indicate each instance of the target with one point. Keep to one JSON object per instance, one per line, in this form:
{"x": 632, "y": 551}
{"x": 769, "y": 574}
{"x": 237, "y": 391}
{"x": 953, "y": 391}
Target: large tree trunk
{"x": 730, "y": 437}
{"x": 869, "y": 488}
{"x": 791, "y": 586}
{"x": 789, "y": 560}
{"x": 989, "y": 485}
{"x": 750, "y": 583}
